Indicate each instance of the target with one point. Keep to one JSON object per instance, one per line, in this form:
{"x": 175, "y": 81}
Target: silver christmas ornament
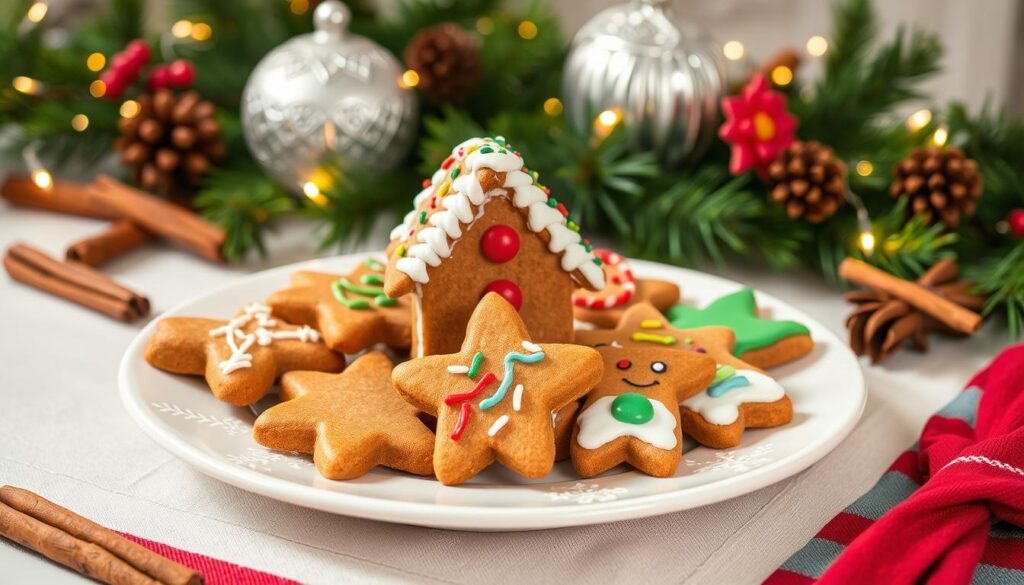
{"x": 663, "y": 76}
{"x": 327, "y": 95}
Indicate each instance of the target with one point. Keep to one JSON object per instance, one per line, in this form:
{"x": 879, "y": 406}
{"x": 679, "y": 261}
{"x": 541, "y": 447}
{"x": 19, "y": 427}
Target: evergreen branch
{"x": 906, "y": 248}
{"x": 244, "y": 202}
{"x": 706, "y": 214}
{"x": 354, "y": 199}
{"x": 1001, "y": 275}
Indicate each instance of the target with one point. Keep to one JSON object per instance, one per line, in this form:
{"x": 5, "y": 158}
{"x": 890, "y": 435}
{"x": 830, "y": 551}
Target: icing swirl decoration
{"x": 240, "y": 342}
{"x": 456, "y": 200}
{"x": 620, "y": 274}
{"x": 720, "y": 403}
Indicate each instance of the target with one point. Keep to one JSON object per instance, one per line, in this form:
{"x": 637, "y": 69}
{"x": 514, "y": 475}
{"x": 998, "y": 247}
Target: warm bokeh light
{"x": 299, "y": 6}
{"x": 201, "y": 31}
{"x": 485, "y": 25}
{"x": 37, "y": 12}
{"x": 782, "y": 75}
{"x": 941, "y": 136}
{"x": 817, "y": 46}
{"x": 733, "y": 50}
{"x": 867, "y": 242}
{"x": 552, "y": 106}
{"x": 865, "y": 168}
{"x": 528, "y": 30}
{"x": 97, "y": 88}
{"x": 409, "y": 79}
{"x": 129, "y": 109}
{"x": 182, "y": 29}
{"x": 919, "y": 119}
{"x": 96, "y": 62}
{"x": 26, "y": 85}
{"x": 42, "y": 179}
{"x": 80, "y": 122}
{"x": 609, "y": 118}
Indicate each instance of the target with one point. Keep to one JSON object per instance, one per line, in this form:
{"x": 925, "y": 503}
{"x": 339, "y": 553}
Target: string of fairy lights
{"x": 604, "y": 123}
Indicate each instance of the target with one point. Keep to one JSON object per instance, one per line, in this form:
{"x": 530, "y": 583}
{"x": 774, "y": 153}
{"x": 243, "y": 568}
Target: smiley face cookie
{"x": 622, "y": 290}
{"x": 494, "y": 399}
{"x": 240, "y": 358}
{"x": 351, "y": 310}
{"x": 633, "y": 414}
{"x": 350, "y": 422}
{"x": 764, "y": 343}
{"x": 760, "y": 403}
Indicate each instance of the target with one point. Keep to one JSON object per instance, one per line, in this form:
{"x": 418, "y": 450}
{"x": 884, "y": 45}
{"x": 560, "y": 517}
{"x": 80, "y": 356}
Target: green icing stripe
{"x": 372, "y": 263}
{"x": 385, "y": 301}
{"x": 359, "y": 290}
{"x": 474, "y": 366}
{"x": 341, "y": 297}
{"x": 738, "y": 312}
{"x": 371, "y": 279}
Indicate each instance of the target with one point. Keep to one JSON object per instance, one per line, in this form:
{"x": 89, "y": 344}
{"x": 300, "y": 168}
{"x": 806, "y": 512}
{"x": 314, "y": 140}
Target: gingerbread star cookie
{"x": 240, "y": 358}
{"x": 633, "y": 414}
{"x": 494, "y": 399}
{"x": 351, "y": 310}
{"x": 622, "y": 290}
{"x": 740, "y": 396}
{"x": 764, "y": 343}
{"x": 350, "y": 422}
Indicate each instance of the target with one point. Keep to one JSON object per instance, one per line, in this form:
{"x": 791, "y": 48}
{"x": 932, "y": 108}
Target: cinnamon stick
{"x": 151, "y": 566}
{"x": 121, "y": 237}
{"x": 75, "y": 282}
{"x": 160, "y": 217}
{"x": 948, "y": 313}
{"x": 65, "y": 197}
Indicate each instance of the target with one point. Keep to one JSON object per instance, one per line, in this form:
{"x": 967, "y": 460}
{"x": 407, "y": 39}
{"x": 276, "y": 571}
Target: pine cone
{"x": 171, "y": 142}
{"x": 447, "y": 59}
{"x": 808, "y": 181}
{"x": 941, "y": 183}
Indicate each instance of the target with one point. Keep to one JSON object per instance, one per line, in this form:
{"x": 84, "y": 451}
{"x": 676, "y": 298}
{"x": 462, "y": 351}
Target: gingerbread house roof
{"x": 477, "y": 171}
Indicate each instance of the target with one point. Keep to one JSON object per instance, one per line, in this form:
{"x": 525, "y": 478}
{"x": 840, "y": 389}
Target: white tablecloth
{"x": 64, "y": 434}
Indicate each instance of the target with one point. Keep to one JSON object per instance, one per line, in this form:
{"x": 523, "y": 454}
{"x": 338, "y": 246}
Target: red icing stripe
{"x": 453, "y": 399}
{"x": 460, "y": 425}
{"x": 844, "y": 528}
{"x": 598, "y": 301}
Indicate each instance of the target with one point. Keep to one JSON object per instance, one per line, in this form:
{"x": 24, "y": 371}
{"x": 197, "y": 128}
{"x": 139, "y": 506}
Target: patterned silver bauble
{"x": 327, "y": 95}
{"x": 664, "y": 76}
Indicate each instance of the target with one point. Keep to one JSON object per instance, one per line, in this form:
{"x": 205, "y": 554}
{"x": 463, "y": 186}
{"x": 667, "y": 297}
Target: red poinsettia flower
{"x": 757, "y": 125}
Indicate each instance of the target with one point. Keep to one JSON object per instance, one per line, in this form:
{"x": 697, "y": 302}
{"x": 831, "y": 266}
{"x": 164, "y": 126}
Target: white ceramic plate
{"x": 180, "y": 414}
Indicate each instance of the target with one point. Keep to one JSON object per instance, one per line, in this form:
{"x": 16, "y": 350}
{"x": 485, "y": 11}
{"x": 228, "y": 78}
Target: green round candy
{"x": 632, "y": 408}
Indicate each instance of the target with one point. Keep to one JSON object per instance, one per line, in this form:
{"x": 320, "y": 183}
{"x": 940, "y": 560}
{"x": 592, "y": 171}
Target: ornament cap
{"x": 332, "y": 17}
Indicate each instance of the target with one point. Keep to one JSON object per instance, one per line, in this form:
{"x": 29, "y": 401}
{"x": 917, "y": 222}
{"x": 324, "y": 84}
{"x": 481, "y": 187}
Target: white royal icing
{"x": 498, "y": 425}
{"x": 264, "y": 335}
{"x": 725, "y": 409}
{"x": 465, "y": 191}
{"x": 598, "y": 427}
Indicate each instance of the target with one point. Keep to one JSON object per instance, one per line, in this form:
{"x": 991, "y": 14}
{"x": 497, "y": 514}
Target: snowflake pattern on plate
{"x": 585, "y": 493}
{"x": 260, "y": 459}
{"x": 735, "y": 461}
{"x": 230, "y": 425}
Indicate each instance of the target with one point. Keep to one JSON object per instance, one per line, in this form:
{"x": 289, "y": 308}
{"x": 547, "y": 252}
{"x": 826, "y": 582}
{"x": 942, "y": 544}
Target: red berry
{"x": 508, "y": 290}
{"x": 159, "y": 78}
{"x": 1016, "y": 221}
{"x": 138, "y": 51}
{"x": 182, "y": 73}
{"x": 114, "y": 82}
{"x": 120, "y": 61}
{"x": 500, "y": 243}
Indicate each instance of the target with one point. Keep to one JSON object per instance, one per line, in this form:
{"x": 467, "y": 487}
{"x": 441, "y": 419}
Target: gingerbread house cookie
{"x": 483, "y": 224}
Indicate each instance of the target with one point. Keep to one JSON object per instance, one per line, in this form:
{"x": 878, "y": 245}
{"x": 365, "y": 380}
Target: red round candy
{"x": 624, "y": 364}
{"x": 500, "y": 243}
{"x": 1016, "y": 221}
{"x": 508, "y": 290}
